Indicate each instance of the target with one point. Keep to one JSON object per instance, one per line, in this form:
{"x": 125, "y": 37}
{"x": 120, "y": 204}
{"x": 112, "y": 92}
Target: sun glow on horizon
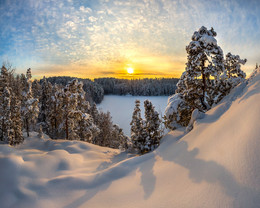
{"x": 130, "y": 70}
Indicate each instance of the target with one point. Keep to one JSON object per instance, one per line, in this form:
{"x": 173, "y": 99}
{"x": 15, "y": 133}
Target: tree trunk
{"x": 27, "y": 127}
{"x": 67, "y": 128}
{"x": 229, "y": 69}
{"x": 2, "y": 133}
{"x": 204, "y": 87}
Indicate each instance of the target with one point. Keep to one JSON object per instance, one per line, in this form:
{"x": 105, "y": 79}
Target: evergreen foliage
{"x": 17, "y": 124}
{"x": 137, "y": 129}
{"x": 152, "y": 127}
{"x": 208, "y": 77}
{"x": 10, "y": 117}
{"x": 144, "y": 87}
{"x": 60, "y": 111}
{"x": 29, "y": 108}
{"x": 145, "y": 134}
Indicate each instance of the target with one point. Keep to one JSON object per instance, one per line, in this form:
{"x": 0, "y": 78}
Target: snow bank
{"x": 214, "y": 165}
{"x": 172, "y": 105}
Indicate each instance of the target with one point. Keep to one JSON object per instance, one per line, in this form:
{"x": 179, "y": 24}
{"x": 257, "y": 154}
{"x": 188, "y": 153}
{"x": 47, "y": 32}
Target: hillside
{"x": 215, "y": 165}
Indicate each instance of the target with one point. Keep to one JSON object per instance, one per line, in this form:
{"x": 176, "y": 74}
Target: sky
{"x": 103, "y": 38}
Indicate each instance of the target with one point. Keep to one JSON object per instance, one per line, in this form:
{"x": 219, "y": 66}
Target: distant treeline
{"x": 141, "y": 87}
{"x": 95, "y": 90}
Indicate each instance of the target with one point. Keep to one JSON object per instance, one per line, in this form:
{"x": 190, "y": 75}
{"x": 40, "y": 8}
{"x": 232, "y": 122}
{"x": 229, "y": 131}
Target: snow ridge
{"x": 214, "y": 165}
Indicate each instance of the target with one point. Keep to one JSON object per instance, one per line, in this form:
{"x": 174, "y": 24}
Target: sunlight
{"x": 130, "y": 70}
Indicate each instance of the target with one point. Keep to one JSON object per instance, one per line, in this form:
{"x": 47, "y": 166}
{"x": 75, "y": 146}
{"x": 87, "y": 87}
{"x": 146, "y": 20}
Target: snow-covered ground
{"x": 215, "y": 165}
{"x": 122, "y": 107}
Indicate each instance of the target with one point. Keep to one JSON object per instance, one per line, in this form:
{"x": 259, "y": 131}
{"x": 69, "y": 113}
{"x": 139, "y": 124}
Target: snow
{"x": 214, "y": 165}
{"x": 122, "y": 107}
{"x": 173, "y": 102}
{"x": 208, "y": 40}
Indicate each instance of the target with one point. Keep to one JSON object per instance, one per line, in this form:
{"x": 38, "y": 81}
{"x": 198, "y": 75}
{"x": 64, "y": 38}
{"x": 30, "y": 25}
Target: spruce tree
{"x": 119, "y": 139}
{"x": 205, "y": 60}
{"x": 17, "y": 124}
{"x": 233, "y": 66}
{"x": 137, "y": 130}
{"x": 6, "y": 117}
{"x": 4, "y": 87}
{"x": 69, "y": 106}
{"x": 152, "y": 127}
{"x": 54, "y": 114}
{"x": 30, "y": 108}
{"x": 45, "y": 102}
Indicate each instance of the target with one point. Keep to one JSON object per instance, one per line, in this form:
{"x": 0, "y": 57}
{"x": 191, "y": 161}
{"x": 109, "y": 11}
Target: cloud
{"x": 96, "y": 33}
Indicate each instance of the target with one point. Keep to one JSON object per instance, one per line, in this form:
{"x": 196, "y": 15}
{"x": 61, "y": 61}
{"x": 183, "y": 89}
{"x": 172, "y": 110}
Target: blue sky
{"x": 95, "y": 38}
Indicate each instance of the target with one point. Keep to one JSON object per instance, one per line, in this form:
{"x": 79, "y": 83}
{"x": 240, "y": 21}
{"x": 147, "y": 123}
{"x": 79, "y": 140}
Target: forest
{"x": 95, "y": 90}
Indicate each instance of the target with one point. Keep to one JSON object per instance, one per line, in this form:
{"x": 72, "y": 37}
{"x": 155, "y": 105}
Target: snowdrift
{"x": 215, "y": 165}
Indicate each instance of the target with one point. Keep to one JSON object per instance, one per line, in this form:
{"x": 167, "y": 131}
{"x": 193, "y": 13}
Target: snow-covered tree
{"x": 30, "y": 108}
{"x": 152, "y": 127}
{"x": 10, "y": 116}
{"x": 45, "y": 104}
{"x": 177, "y": 112}
{"x": 36, "y": 89}
{"x": 86, "y": 129}
{"x": 231, "y": 77}
{"x": 94, "y": 112}
{"x": 137, "y": 129}
{"x": 69, "y": 112}
{"x": 206, "y": 79}
{"x": 77, "y": 122}
{"x": 105, "y": 125}
{"x": 54, "y": 113}
{"x": 205, "y": 61}
{"x": 120, "y": 141}
{"x": 233, "y": 66}
{"x": 198, "y": 85}
{"x": 17, "y": 124}
{"x": 7, "y": 132}
{"x": 4, "y": 105}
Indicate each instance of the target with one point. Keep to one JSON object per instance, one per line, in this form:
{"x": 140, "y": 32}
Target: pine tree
{"x": 152, "y": 127}
{"x": 45, "y": 101}
{"x": 17, "y": 124}
{"x": 137, "y": 130}
{"x": 105, "y": 126}
{"x": 119, "y": 139}
{"x": 86, "y": 129}
{"x": 30, "y": 108}
{"x": 94, "y": 112}
{"x": 205, "y": 60}
{"x": 4, "y": 89}
{"x": 233, "y": 66}
{"x": 231, "y": 77}
{"x": 54, "y": 114}
{"x": 177, "y": 112}
{"x": 36, "y": 89}
{"x": 69, "y": 105}
{"x": 6, "y": 117}
{"x": 200, "y": 84}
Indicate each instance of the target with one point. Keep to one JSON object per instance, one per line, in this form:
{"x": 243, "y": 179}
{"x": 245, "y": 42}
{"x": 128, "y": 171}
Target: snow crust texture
{"x": 214, "y": 165}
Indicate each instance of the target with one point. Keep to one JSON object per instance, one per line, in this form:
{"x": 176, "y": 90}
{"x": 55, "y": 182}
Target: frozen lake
{"x": 122, "y": 107}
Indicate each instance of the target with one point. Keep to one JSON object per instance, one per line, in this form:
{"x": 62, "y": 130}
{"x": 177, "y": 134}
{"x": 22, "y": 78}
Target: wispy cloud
{"x": 94, "y": 35}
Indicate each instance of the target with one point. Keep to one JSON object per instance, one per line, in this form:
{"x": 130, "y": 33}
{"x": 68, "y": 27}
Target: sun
{"x": 130, "y": 70}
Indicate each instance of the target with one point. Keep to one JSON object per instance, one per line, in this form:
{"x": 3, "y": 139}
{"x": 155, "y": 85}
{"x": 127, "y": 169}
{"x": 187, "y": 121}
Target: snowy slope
{"x": 215, "y": 165}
